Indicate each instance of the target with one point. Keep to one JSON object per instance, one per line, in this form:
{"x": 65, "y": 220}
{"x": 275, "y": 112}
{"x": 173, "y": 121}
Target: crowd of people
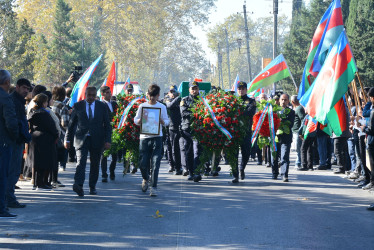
{"x": 40, "y": 133}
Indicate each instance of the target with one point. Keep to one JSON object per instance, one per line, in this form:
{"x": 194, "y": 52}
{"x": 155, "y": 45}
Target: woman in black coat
{"x": 44, "y": 136}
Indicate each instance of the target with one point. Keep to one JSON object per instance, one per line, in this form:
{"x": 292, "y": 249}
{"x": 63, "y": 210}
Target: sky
{"x": 224, "y": 8}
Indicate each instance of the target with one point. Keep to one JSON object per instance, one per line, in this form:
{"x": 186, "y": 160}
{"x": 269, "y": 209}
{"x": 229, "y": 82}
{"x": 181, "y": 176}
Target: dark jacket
{"x": 290, "y": 117}
{"x": 8, "y": 119}
{"x": 174, "y": 112}
{"x": 114, "y": 106}
{"x": 367, "y": 110}
{"x": 79, "y": 126}
{"x": 369, "y": 130}
{"x": 23, "y": 126}
{"x": 299, "y": 117}
{"x": 249, "y": 110}
{"x": 186, "y": 113}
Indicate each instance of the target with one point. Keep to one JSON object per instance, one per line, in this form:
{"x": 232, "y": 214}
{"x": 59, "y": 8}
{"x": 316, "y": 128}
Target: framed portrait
{"x": 150, "y": 123}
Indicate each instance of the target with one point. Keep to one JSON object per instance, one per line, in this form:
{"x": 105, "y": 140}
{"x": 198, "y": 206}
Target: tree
{"x": 360, "y": 31}
{"x": 64, "y": 48}
{"x": 15, "y": 43}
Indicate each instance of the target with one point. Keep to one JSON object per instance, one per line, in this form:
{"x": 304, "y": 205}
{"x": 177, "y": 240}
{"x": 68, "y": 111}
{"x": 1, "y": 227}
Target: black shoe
{"x": 218, "y": 168}
{"x": 242, "y": 174}
{"x": 59, "y": 184}
{"x": 185, "y": 173}
{"x": 16, "y": 187}
{"x": 363, "y": 183}
{"x": 197, "y": 178}
{"x": 179, "y": 172}
{"x": 259, "y": 163}
{"x": 275, "y": 177}
{"x": 302, "y": 169}
{"x": 78, "y": 189}
{"x": 171, "y": 170}
{"x": 190, "y": 178}
{"x": 321, "y": 168}
{"x": 310, "y": 169}
{"x": 235, "y": 180}
{"x": 104, "y": 179}
{"x": 16, "y": 205}
{"x": 268, "y": 166}
{"x": 206, "y": 173}
{"x": 44, "y": 187}
{"x": 334, "y": 163}
{"x": 371, "y": 208}
{"x": 134, "y": 170}
{"x": 215, "y": 173}
{"x": 112, "y": 176}
{"x": 93, "y": 191}
{"x": 7, "y": 215}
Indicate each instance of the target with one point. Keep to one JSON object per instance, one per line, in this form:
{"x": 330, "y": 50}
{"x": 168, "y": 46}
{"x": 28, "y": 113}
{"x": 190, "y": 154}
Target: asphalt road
{"x": 315, "y": 210}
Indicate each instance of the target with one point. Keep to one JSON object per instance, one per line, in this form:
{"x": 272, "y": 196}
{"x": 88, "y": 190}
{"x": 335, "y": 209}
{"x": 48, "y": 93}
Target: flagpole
{"x": 355, "y": 93}
{"x": 362, "y": 87}
{"x": 348, "y": 104}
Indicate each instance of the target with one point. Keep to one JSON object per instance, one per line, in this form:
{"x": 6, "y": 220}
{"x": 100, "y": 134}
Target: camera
{"x": 77, "y": 73}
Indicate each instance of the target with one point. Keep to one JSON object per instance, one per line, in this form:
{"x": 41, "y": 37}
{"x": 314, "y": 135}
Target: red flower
{"x": 264, "y": 130}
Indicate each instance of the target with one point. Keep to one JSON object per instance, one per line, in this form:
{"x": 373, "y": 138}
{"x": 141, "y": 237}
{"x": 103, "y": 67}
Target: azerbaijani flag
{"x": 337, "y": 117}
{"x": 328, "y": 30}
{"x": 256, "y": 93}
{"x": 275, "y": 71}
{"x": 311, "y": 125}
{"x": 332, "y": 82}
{"x": 124, "y": 86}
{"x": 111, "y": 77}
{"x": 78, "y": 92}
{"x": 235, "y": 85}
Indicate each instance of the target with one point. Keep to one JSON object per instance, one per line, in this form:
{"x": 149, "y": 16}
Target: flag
{"x": 275, "y": 71}
{"x": 311, "y": 126}
{"x": 235, "y": 85}
{"x": 78, "y": 92}
{"x": 328, "y": 30}
{"x": 111, "y": 77}
{"x": 256, "y": 93}
{"x": 124, "y": 86}
{"x": 332, "y": 82}
{"x": 337, "y": 117}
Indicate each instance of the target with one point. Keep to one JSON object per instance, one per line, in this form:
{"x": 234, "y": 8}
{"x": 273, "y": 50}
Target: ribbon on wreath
{"x": 214, "y": 118}
{"x": 272, "y": 129}
{"x": 259, "y": 124}
{"x": 126, "y": 112}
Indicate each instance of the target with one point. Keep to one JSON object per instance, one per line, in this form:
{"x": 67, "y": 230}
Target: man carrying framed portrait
{"x": 150, "y": 116}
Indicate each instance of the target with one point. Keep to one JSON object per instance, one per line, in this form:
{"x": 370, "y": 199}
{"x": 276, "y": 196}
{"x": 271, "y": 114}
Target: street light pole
{"x": 228, "y": 55}
{"x": 247, "y": 41}
{"x": 275, "y": 12}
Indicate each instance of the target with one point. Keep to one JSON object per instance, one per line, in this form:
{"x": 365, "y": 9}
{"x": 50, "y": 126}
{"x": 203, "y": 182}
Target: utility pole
{"x": 247, "y": 41}
{"x": 220, "y": 78}
{"x": 228, "y": 55}
{"x": 275, "y": 12}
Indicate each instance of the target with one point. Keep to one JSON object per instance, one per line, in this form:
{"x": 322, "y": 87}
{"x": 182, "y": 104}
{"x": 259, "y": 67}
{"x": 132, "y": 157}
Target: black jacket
{"x": 287, "y": 138}
{"x": 250, "y": 109}
{"x": 369, "y": 130}
{"x": 174, "y": 112}
{"x": 8, "y": 119}
{"x": 23, "y": 126}
{"x": 186, "y": 113}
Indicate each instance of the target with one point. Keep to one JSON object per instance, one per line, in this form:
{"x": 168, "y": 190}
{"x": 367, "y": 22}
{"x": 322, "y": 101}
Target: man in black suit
{"x": 89, "y": 127}
{"x": 112, "y": 109}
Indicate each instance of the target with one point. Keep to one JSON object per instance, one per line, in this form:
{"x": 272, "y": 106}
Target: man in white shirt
{"x": 150, "y": 146}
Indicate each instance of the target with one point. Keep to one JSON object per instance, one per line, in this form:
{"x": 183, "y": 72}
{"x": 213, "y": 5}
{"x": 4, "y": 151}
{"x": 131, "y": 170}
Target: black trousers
{"x": 341, "y": 152}
{"x": 80, "y": 172}
{"x": 190, "y": 152}
{"x": 371, "y": 159}
{"x": 104, "y": 165}
{"x": 307, "y": 152}
{"x": 175, "y": 156}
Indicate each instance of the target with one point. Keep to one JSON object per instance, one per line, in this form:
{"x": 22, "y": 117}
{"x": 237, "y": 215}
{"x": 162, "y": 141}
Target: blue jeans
{"x": 299, "y": 141}
{"x": 283, "y": 151}
{"x": 352, "y": 153}
{"x": 5, "y": 155}
{"x": 14, "y": 172}
{"x": 150, "y": 150}
{"x": 324, "y": 149}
